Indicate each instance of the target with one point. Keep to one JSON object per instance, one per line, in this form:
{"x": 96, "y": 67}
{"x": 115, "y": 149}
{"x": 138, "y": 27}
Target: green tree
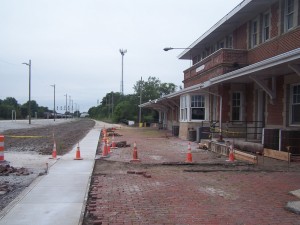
{"x": 115, "y": 107}
{"x": 7, "y": 106}
{"x": 11, "y": 102}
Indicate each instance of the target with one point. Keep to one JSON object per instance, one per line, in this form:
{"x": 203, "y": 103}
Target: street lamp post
{"x": 54, "y": 114}
{"x": 66, "y": 104}
{"x": 140, "y": 111}
{"x": 29, "y": 101}
{"x": 122, "y": 51}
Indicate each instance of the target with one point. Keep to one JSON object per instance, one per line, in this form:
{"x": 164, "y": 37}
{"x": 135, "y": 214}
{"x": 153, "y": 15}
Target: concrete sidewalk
{"x": 58, "y": 197}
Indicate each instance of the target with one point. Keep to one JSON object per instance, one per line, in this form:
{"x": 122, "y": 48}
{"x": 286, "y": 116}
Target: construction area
{"x": 155, "y": 178}
{"x": 141, "y": 176}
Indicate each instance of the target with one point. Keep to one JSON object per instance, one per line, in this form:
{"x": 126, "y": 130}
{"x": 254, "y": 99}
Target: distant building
{"x": 244, "y": 78}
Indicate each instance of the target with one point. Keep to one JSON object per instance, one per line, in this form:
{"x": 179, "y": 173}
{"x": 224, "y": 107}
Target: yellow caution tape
{"x": 14, "y": 136}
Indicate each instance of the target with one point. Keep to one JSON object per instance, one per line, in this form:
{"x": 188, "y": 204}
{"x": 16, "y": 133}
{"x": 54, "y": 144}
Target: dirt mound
{"x": 41, "y": 139}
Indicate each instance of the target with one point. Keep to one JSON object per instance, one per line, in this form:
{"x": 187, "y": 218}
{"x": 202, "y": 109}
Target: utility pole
{"x": 66, "y": 104}
{"x": 29, "y": 101}
{"x": 112, "y": 103}
{"x": 54, "y": 114}
{"x": 122, "y": 51}
{"x": 140, "y": 109}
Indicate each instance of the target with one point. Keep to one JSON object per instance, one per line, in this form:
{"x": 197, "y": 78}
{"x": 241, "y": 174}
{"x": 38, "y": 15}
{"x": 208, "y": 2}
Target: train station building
{"x": 244, "y": 79}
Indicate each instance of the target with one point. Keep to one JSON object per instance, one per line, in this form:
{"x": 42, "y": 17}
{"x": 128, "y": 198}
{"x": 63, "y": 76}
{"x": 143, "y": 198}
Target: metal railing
{"x": 249, "y": 130}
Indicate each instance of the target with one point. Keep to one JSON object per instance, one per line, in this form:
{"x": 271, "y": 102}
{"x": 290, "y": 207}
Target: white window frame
{"x": 266, "y": 26}
{"x": 289, "y": 15}
{"x": 294, "y": 102}
{"x": 184, "y": 108}
{"x": 240, "y": 106}
{"x": 197, "y": 102}
{"x": 254, "y": 33}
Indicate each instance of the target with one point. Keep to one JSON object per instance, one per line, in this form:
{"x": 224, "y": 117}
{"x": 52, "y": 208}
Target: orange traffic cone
{"x": 189, "y": 157}
{"x": 54, "y": 151}
{"x": 108, "y": 147}
{"x": 104, "y": 151}
{"x": 231, "y": 154}
{"x": 2, "y": 148}
{"x": 113, "y": 143}
{"x": 135, "y": 154}
{"x": 77, "y": 157}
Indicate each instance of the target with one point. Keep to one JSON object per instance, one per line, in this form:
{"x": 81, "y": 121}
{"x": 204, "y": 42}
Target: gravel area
{"x": 28, "y": 147}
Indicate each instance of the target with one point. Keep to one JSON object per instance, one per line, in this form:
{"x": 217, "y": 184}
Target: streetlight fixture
{"x": 170, "y": 48}
{"x": 54, "y": 114}
{"x": 122, "y": 51}
{"x": 29, "y": 101}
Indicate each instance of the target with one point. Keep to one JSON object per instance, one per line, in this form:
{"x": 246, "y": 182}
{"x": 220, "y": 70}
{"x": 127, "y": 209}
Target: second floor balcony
{"x": 216, "y": 64}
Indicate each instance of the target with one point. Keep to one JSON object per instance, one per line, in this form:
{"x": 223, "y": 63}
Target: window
{"x": 236, "y": 106}
{"x": 183, "y": 108}
{"x": 295, "y": 104}
{"x": 197, "y": 107}
{"x": 254, "y": 33}
{"x": 266, "y": 26}
{"x": 289, "y": 14}
{"x": 229, "y": 41}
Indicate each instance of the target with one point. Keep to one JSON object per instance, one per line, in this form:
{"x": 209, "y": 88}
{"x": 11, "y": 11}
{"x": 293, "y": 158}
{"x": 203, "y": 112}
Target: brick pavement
{"x": 171, "y": 195}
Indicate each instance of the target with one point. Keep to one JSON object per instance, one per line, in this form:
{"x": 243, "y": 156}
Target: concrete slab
{"x": 43, "y": 214}
{"x": 55, "y": 195}
{"x": 296, "y": 193}
{"x": 293, "y": 207}
{"x": 64, "y": 180}
{"x": 58, "y": 197}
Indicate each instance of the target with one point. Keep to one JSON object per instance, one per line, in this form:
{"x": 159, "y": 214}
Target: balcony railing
{"x": 218, "y": 63}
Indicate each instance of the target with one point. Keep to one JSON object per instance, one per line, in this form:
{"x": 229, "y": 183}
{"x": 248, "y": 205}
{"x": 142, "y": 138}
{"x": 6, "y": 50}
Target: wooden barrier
{"x": 275, "y": 154}
{"x": 245, "y": 156}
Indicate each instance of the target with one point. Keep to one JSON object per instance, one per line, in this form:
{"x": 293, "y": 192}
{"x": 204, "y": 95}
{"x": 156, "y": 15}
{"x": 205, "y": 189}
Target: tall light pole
{"x": 122, "y": 51}
{"x": 54, "y": 102}
{"x": 112, "y": 103}
{"x": 66, "y": 104}
{"x": 140, "y": 111}
{"x": 29, "y": 101}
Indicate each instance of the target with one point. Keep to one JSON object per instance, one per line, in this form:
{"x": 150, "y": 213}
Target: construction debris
{"x": 6, "y": 170}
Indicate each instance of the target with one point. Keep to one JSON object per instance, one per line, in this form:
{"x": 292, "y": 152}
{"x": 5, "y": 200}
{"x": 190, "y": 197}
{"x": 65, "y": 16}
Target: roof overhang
{"x": 285, "y": 63}
{"x": 234, "y": 19}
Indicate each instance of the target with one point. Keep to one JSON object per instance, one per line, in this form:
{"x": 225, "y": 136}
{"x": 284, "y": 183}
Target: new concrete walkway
{"x": 59, "y": 196}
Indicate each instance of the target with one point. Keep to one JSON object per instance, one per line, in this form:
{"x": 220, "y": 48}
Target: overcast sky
{"x": 75, "y": 44}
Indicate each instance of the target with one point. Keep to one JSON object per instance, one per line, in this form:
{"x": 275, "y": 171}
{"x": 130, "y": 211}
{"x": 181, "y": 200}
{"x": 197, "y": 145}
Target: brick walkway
{"x": 152, "y": 193}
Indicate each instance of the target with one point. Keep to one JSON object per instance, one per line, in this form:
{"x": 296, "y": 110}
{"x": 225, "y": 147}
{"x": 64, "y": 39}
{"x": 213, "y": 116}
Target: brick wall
{"x": 279, "y": 45}
{"x": 224, "y": 91}
{"x": 274, "y": 20}
{"x": 240, "y": 37}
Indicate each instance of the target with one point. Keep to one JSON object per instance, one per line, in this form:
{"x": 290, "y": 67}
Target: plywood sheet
{"x": 275, "y": 154}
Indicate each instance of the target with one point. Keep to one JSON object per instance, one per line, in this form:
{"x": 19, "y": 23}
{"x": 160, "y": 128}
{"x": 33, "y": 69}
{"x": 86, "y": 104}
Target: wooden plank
{"x": 285, "y": 156}
{"x": 245, "y": 156}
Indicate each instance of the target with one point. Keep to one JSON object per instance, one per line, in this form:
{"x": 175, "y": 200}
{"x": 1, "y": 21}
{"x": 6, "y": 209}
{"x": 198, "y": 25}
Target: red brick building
{"x": 244, "y": 78}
